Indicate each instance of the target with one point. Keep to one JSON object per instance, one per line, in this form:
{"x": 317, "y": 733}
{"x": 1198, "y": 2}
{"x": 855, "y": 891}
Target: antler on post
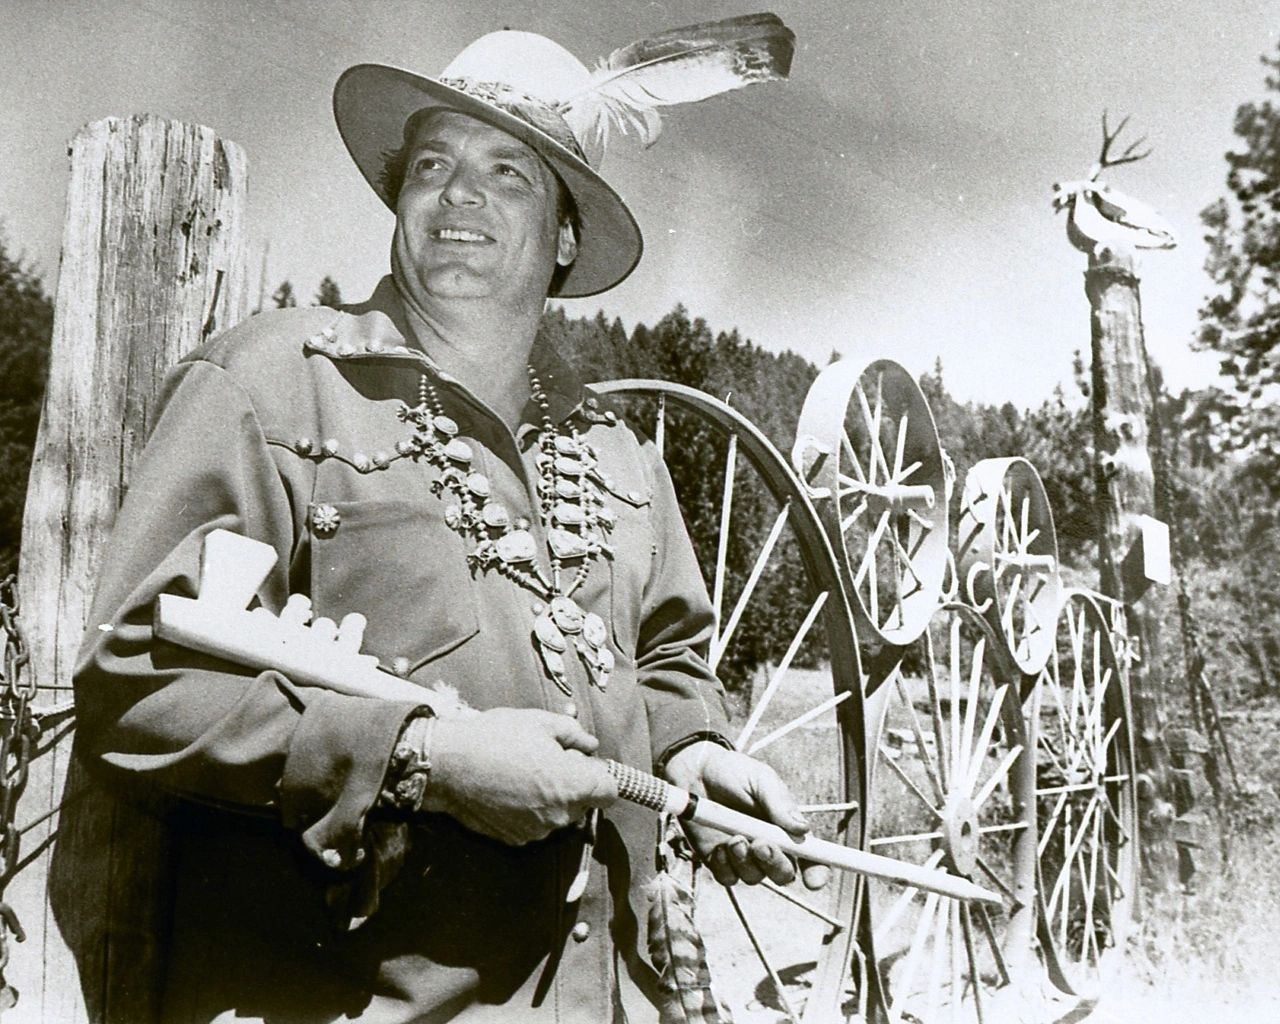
{"x": 1129, "y": 156}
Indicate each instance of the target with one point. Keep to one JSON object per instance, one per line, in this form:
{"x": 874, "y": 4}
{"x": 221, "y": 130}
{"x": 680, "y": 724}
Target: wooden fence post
{"x": 1121, "y": 411}
{"x": 153, "y": 262}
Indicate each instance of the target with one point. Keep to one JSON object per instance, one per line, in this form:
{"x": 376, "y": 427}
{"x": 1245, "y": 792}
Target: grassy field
{"x": 1209, "y": 954}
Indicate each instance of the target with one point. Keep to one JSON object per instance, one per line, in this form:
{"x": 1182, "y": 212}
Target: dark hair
{"x": 395, "y": 164}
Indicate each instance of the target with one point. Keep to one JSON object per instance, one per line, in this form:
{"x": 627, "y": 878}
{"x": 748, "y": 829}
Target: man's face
{"x": 476, "y": 216}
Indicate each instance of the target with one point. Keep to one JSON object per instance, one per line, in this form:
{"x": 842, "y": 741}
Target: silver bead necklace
{"x": 571, "y": 510}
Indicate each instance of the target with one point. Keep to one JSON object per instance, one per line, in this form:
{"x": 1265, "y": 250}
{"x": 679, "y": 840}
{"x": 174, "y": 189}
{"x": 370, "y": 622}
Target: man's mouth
{"x": 459, "y": 235}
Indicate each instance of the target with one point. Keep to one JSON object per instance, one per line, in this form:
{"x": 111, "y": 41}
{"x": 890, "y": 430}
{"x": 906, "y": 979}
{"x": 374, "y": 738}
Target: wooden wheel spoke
{"x": 938, "y": 962}
{"x": 915, "y": 952}
{"x": 783, "y": 666}
{"x": 996, "y": 880}
{"x": 909, "y": 783}
{"x": 899, "y": 450}
{"x": 748, "y": 589}
{"x": 800, "y": 720}
{"x": 930, "y": 768}
{"x": 899, "y": 907}
{"x": 967, "y": 754}
{"x": 847, "y": 485}
{"x": 913, "y": 837}
{"x": 1062, "y": 887}
{"x": 975, "y": 974}
{"x": 996, "y": 951}
{"x": 660, "y": 426}
{"x": 803, "y": 904}
{"x": 905, "y": 562}
{"x": 904, "y": 474}
{"x": 842, "y": 807}
{"x": 869, "y": 556}
{"x": 1091, "y": 884}
{"x": 726, "y": 513}
{"x": 762, "y": 957}
{"x": 1000, "y": 774}
{"x": 846, "y": 524}
{"x": 851, "y": 457}
{"x": 935, "y": 710}
{"x": 957, "y": 753}
{"x": 1008, "y": 826}
{"x": 1048, "y": 829}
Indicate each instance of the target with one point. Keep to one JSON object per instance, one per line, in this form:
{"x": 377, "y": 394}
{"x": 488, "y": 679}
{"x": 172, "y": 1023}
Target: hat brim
{"x": 372, "y": 102}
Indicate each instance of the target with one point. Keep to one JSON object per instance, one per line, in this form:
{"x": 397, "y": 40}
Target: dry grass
{"x": 1211, "y": 955}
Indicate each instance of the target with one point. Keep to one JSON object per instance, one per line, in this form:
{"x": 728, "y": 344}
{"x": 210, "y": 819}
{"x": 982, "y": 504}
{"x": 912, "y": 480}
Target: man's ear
{"x": 566, "y": 244}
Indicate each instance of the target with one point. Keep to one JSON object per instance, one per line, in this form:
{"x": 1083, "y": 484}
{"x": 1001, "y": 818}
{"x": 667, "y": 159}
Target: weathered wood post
{"x": 1125, "y": 486}
{"x": 153, "y": 256}
{"x": 1108, "y": 227}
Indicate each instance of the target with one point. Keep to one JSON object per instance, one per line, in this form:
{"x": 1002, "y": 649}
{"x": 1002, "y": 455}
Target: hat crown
{"x": 524, "y": 61}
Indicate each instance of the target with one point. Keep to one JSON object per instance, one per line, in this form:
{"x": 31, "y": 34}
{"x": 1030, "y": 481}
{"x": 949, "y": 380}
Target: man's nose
{"x": 461, "y": 189}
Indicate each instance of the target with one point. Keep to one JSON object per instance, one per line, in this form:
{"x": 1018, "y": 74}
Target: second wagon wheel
{"x": 785, "y": 648}
{"x": 1086, "y": 795}
{"x": 868, "y": 449}
{"x": 1008, "y": 558}
{"x": 951, "y": 785}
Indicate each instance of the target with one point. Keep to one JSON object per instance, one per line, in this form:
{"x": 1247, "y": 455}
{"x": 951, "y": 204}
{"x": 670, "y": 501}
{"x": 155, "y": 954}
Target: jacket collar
{"x": 564, "y": 388}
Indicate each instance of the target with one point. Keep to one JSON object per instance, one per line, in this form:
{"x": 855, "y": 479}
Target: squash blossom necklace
{"x": 572, "y": 512}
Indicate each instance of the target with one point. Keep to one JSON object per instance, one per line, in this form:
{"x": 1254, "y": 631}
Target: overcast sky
{"x": 892, "y": 199}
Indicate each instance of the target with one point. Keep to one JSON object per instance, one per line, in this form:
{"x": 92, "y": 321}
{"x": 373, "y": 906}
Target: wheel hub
{"x": 960, "y": 833}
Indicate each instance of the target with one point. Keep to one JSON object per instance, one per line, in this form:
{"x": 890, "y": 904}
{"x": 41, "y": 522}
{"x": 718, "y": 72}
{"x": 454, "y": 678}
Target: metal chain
{"x": 19, "y": 733}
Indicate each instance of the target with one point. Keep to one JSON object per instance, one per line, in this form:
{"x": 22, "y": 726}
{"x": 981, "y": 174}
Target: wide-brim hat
{"x": 512, "y": 81}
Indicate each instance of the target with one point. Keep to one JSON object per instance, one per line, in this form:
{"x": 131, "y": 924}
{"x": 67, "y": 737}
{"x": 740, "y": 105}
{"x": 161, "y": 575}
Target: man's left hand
{"x": 745, "y": 784}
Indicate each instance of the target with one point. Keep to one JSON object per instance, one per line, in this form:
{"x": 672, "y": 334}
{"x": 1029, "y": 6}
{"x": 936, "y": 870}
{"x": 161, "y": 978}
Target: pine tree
{"x": 26, "y": 324}
{"x": 329, "y": 294}
{"x": 283, "y": 297}
{"x": 1241, "y": 318}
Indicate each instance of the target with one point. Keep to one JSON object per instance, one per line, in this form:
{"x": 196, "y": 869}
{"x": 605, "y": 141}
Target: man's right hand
{"x": 516, "y": 774}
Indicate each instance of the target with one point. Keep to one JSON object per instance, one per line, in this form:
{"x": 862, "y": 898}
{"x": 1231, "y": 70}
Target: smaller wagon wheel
{"x": 1008, "y": 558}
{"x": 772, "y": 576}
{"x": 1086, "y": 798}
{"x": 868, "y": 449}
{"x": 951, "y": 786}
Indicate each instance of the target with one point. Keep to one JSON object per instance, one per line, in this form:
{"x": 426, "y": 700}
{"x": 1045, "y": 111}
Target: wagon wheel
{"x": 1008, "y": 558}
{"x": 868, "y": 449}
{"x": 1087, "y": 800}
{"x": 951, "y": 785}
{"x": 798, "y": 705}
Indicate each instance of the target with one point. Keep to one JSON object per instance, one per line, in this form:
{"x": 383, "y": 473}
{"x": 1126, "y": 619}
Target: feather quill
{"x": 682, "y": 65}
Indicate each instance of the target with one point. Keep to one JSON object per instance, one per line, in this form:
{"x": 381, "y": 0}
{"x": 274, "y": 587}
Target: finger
{"x": 815, "y": 876}
{"x": 773, "y": 862}
{"x": 742, "y": 862}
{"x": 600, "y": 789}
{"x": 777, "y": 803}
{"x": 569, "y": 734}
{"x": 718, "y": 862}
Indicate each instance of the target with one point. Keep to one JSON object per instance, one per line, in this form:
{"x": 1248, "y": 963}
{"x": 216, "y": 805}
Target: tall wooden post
{"x": 152, "y": 263}
{"x": 1122, "y": 410}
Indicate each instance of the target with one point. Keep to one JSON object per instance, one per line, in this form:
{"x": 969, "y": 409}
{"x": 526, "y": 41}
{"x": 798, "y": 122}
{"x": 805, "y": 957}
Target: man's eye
{"x": 424, "y": 163}
{"x": 507, "y": 170}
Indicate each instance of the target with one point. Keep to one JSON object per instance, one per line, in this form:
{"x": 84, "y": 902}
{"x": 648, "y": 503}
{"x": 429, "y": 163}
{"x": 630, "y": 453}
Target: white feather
{"x": 684, "y": 65}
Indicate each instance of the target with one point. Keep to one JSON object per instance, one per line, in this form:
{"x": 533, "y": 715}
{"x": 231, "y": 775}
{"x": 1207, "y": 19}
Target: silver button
{"x": 581, "y": 931}
{"x": 332, "y": 858}
{"x": 571, "y": 709}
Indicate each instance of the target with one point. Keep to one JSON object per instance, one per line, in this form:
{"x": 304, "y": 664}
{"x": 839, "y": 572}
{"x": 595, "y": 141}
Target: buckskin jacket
{"x": 283, "y": 429}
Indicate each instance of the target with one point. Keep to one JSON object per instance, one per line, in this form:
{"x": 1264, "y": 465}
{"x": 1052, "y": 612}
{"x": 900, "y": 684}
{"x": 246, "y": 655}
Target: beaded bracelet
{"x": 409, "y": 771}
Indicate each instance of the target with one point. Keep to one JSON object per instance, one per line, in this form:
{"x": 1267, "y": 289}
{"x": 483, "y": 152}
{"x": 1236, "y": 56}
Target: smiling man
{"x": 517, "y": 549}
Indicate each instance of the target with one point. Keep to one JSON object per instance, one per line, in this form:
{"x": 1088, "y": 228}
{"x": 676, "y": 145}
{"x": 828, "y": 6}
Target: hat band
{"x": 536, "y": 113}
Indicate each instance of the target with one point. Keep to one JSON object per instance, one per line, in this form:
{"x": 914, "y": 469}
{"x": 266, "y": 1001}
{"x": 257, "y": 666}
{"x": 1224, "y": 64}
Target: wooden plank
{"x": 152, "y": 263}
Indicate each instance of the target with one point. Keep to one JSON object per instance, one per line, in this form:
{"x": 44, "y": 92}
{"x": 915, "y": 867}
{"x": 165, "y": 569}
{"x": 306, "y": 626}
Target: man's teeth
{"x": 458, "y": 235}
